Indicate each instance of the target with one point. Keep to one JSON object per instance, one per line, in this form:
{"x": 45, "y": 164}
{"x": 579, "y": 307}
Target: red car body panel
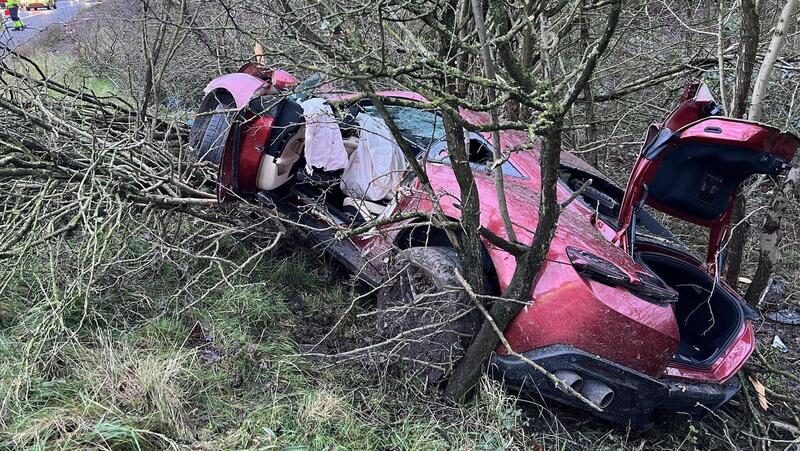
{"x": 239, "y": 85}
{"x": 592, "y": 317}
{"x": 566, "y": 307}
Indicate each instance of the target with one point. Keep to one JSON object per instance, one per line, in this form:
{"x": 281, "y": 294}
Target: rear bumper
{"x": 636, "y": 395}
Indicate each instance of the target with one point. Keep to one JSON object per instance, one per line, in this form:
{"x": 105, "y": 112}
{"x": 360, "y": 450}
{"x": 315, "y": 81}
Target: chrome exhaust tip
{"x": 570, "y": 378}
{"x": 597, "y": 392}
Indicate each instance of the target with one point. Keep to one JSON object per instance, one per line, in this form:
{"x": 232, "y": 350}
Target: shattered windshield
{"x": 420, "y": 127}
{"x": 480, "y": 155}
{"x": 425, "y": 130}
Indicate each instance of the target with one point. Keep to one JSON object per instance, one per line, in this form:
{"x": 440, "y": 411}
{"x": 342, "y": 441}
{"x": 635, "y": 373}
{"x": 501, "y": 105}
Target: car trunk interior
{"x": 708, "y": 316}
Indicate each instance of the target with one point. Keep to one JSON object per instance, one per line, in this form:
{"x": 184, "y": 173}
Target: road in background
{"x": 37, "y": 21}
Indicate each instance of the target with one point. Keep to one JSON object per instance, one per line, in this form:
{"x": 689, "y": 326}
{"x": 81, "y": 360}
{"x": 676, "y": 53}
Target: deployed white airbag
{"x": 377, "y": 165}
{"x": 324, "y": 146}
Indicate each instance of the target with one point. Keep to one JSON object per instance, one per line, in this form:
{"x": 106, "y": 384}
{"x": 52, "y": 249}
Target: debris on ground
{"x": 790, "y": 316}
{"x": 776, "y": 292}
{"x": 778, "y": 344}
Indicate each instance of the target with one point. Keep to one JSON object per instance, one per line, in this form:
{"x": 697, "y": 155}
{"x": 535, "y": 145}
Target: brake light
{"x": 597, "y": 268}
{"x": 646, "y": 286}
{"x": 653, "y": 288}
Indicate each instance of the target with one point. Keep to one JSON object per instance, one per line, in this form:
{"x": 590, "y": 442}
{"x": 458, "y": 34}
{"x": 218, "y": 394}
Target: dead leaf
{"x": 760, "y": 392}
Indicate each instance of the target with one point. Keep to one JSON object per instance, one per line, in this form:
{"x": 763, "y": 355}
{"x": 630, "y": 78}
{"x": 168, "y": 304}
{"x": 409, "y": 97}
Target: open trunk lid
{"x": 691, "y": 166}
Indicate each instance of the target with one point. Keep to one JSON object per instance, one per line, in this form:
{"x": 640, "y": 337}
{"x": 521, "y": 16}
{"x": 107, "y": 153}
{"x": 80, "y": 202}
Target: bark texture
{"x": 769, "y": 251}
{"x": 756, "y": 111}
{"x": 768, "y": 240}
{"x": 748, "y": 47}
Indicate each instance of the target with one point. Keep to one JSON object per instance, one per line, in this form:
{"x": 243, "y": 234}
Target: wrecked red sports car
{"x": 621, "y": 310}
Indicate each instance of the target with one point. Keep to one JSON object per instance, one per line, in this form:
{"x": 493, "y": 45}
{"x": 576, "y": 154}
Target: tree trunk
{"x": 488, "y": 68}
{"x": 151, "y": 56}
{"x": 748, "y": 47}
{"x": 721, "y": 55}
{"x": 591, "y": 126}
{"x": 738, "y": 240}
{"x": 744, "y": 75}
{"x": 768, "y": 242}
{"x": 464, "y": 60}
{"x": 486, "y": 340}
{"x": 778, "y": 39}
{"x": 470, "y": 205}
{"x": 470, "y": 246}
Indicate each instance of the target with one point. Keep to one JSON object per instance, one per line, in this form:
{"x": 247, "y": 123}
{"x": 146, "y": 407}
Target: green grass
{"x": 148, "y": 350}
{"x": 116, "y": 360}
{"x": 66, "y": 69}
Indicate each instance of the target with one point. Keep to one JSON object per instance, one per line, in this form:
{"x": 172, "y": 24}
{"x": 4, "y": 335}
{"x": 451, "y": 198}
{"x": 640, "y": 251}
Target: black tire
{"x": 421, "y": 291}
{"x": 208, "y": 135}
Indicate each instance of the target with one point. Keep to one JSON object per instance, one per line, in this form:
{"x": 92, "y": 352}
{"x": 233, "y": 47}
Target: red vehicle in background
{"x": 29, "y": 5}
{"x": 621, "y": 311}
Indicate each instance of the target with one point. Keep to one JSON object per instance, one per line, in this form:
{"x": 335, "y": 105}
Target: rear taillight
{"x": 646, "y": 286}
{"x": 597, "y": 268}
{"x": 651, "y": 287}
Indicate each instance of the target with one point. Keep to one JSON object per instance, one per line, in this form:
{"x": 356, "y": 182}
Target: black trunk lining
{"x": 707, "y": 321}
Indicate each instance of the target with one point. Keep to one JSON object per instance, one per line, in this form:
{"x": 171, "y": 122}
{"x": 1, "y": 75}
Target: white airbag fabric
{"x": 324, "y": 146}
{"x": 377, "y": 165}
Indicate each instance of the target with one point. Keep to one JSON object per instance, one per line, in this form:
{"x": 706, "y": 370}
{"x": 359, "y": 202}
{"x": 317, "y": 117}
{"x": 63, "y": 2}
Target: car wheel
{"x": 423, "y": 310}
{"x": 208, "y": 138}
